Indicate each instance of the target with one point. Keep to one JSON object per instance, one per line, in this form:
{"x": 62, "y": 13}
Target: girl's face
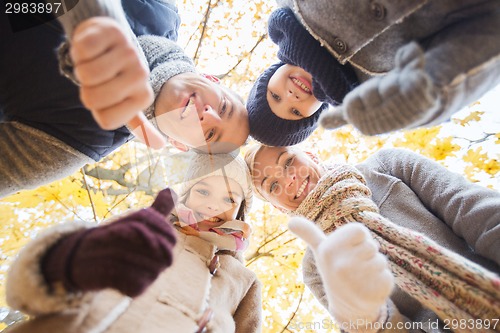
{"x": 215, "y": 200}
{"x": 289, "y": 93}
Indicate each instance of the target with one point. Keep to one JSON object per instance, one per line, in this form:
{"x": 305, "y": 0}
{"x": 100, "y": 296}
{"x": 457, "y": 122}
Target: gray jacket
{"x": 460, "y": 53}
{"x": 417, "y": 193}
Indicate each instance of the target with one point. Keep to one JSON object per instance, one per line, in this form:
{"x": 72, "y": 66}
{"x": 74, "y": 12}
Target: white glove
{"x": 355, "y": 275}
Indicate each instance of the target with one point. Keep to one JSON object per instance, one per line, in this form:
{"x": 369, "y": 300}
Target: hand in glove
{"x": 356, "y": 277}
{"x": 127, "y": 254}
{"x": 404, "y": 97}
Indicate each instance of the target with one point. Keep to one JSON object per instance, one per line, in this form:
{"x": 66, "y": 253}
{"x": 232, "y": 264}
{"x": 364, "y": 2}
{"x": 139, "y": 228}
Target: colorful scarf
{"x": 443, "y": 281}
{"x": 231, "y": 235}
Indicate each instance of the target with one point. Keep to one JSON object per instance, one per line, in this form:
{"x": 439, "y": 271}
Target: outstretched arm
{"x": 53, "y": 272}
{"x": 336, "y": 268}
{"x": 470, "y": 210}
{"x": 429, "y": 83}
{"x": 110, "y": 67}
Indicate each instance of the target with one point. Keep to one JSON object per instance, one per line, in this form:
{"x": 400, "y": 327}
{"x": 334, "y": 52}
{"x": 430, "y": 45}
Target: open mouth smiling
{"x": 302, "y": 188}
{"x": 189, "y": 105}
{"x": 206, "y": 218}
{"x": 301, "y": 85}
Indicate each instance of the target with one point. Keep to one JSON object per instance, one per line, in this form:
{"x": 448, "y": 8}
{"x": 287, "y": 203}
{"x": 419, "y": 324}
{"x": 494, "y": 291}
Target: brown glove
{"x": 126, "y": 255}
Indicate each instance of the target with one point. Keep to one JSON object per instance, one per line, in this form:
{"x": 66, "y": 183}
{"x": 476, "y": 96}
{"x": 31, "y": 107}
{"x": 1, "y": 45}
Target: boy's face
{"x": 215, "y": 200}
{"x": 284, "y": 175}
{"x": 201, "y": 114}
{"x": 289, "y": 93}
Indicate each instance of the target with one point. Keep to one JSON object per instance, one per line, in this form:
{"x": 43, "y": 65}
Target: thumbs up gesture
{"x": 356, "y": 276}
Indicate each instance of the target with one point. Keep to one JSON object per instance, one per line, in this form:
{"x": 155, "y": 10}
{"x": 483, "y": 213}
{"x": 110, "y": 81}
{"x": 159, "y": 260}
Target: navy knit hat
{"x": 268, "y": 128}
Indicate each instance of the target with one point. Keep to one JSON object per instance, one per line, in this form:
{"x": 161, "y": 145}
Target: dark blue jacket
{"x": 33, "y": 92}
{"x": 152, "y": 17}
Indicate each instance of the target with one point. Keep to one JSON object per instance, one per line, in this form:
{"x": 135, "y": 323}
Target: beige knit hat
{"x": 229, "y": 165}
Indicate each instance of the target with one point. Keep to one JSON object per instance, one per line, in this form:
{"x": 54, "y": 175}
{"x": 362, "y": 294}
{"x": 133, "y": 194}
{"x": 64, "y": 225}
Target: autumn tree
{"x": 229, "y": 39}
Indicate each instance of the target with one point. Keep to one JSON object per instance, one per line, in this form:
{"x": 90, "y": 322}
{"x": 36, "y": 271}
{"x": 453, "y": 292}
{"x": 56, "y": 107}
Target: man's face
{"x": 289, "y": 93}
{"x": 284, "y": 175}
{"x": 201, "y": 114}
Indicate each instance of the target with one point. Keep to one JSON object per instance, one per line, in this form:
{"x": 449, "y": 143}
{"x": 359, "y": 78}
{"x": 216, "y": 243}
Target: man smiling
{"x": 196, "y": 112}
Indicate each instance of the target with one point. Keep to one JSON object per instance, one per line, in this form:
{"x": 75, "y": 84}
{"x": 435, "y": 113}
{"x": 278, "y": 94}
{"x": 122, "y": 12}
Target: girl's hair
{"x": 241, "y": 211}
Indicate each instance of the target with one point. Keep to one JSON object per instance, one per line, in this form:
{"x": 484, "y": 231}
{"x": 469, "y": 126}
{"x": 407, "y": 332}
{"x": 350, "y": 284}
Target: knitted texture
{"x": 448, "y": 284}
{"x": 224, "y": 165}
{"x": 331, "y": 80}
{"x": 166, "y": 59}
{"x": 268, "y": 128}
{"x": 126, "y": 255}
{"x": 405, "y": 97}
{"x": 350, "y": 299}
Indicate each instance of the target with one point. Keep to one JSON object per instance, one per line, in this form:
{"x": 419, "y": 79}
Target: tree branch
{"x": 191, "y": 37}
{"x": 88, "y": 192}
{"x": 257, "y": 252}
{"x": 294, "y": 312}
{"x": 241, "y": 59}
{"x": 205, "y": 21}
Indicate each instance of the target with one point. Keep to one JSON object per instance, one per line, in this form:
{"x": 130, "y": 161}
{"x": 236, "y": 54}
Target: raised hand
{"x": 113, "y": 79}
{"x": 356, "y": 277}
{"x": 404, "y": 97}
{"x": 126, "y": 255}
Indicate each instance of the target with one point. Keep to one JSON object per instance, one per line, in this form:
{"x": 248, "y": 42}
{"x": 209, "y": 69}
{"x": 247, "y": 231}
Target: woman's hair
{"x": 249, "y": 158}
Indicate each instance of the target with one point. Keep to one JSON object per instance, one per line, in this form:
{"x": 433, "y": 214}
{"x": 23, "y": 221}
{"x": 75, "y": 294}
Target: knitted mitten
{"x": 126, "y": 255}
{"x": 356, "y": 277}
{"x": 405, "y": 97}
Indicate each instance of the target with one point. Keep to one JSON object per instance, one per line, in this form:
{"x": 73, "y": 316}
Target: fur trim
{"x": 26, "y": 288}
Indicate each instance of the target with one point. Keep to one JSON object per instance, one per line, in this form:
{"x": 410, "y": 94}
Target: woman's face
{"x": 289, "y": 93}
{"x": 284, "y": 176}
{"x": 215, "y": 200}
{"x": 199, "y": 113}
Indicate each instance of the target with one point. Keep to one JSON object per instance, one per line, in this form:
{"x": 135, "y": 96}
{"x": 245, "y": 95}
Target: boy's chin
{"x": 217, "y": 148}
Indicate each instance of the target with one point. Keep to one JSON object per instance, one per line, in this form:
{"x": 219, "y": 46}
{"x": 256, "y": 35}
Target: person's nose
{"x": 292, "y": 94}
{"x": 290, "y": 179}
{"x": 213, "y": 207}
{"x": 209, "y": 115}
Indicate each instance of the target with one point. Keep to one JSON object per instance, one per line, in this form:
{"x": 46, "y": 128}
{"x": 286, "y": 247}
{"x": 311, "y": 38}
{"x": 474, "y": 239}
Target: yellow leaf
{"x": 475, "y": 156}
{"x": 442, "y": 148}
{"x": 492, "y": 167}
{"x": 473, "y": 116}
